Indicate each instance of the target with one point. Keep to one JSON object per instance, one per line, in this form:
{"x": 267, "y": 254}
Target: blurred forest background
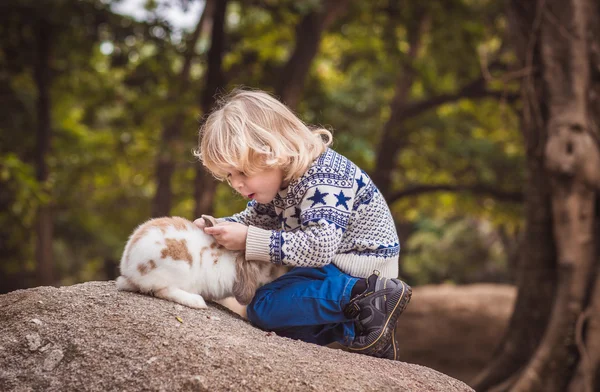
{"x": 448, "y": 105}
{"x": 101, "y": 111}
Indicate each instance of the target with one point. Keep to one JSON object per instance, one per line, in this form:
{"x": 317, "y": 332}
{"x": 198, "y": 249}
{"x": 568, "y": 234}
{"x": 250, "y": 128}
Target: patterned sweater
{"x": 332, "y": 214}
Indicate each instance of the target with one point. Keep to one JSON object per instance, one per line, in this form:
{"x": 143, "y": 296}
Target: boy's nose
{"x": 237, "y": 185}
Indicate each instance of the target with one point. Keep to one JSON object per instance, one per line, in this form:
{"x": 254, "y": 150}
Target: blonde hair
{"x": 251, "y": 131}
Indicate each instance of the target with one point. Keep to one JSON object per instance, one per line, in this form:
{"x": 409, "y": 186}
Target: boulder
{"x": 92, "y": 337}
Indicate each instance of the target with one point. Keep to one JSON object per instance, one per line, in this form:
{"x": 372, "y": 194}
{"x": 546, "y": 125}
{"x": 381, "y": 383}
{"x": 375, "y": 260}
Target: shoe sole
{"x": 379, "y": 339}
{"x": 394, "y": 347}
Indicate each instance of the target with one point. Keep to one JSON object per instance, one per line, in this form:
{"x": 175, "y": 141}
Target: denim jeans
{"x": 306, "y": 304}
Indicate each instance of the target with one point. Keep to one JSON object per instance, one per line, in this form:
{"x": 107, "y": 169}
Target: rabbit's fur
{"x": 174, "y": 259}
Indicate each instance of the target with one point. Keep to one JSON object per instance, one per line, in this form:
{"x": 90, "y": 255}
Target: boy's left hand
{"x": 231, "y": 235}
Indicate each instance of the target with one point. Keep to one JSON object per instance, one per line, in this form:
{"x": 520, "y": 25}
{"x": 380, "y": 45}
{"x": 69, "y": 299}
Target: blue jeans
{"x": 306, "y": 304}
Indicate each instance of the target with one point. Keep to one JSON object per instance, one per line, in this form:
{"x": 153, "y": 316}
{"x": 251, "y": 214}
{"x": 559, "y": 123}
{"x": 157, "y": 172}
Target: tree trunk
{"x": 536, "y": 278}
{"x": 171, "y": 133}
{"x": 44, "y": 222}
{"x": 204, "y": 184}
{"x": 564, "y": 55}
{"x": 308, "y": 38}
{"x": 204, "y": 192}
{"x": 563, "y": 154}
{"x": 588, "y": 370}
{"x": 392, "y": 140}
{"x": 586, "y": 378}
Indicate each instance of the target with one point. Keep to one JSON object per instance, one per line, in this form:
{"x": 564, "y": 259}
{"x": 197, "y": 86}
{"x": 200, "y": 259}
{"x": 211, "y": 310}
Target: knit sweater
{"x": 331, "y": 214}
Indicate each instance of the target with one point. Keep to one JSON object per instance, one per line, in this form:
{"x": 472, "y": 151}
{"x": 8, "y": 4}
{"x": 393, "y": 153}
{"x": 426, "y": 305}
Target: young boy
{"x": 313, "y": 209}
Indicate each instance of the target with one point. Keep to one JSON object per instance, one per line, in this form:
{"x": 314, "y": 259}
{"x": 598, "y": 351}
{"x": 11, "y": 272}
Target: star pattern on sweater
{"x": 342, "y": 200}
{"x": 318, "y": 197}
{"x": 360, "y": 182}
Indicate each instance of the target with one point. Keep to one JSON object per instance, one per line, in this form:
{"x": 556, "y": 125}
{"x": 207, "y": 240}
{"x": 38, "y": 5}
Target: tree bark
{"x": 535, "y": 275}
{"x": 552, "y": 38}
{"x": 587, "y": 377}
{"x": 44, "y": 222}
{"x": 204, "y": 184}
{"x": 171, "y": 132}
{"x": 568, "y": 151}
{"x": 535, "y": 280}
{"x": 308, "y": 38}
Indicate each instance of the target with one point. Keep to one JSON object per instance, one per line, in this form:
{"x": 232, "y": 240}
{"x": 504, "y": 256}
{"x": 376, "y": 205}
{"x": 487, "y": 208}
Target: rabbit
{"x": 173, "y": 259}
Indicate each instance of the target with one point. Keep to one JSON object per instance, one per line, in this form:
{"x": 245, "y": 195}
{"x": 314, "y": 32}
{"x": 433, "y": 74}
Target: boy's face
{"x": 262, "y": 186}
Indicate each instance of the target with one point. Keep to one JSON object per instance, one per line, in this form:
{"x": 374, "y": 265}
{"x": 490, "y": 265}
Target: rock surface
{"x": 92, "y": 337}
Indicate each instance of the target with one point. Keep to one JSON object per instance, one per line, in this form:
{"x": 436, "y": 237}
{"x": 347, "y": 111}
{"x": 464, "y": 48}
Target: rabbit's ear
{"x": 246, "y": 281}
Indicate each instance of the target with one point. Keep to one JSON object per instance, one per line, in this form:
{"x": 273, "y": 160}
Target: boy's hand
{"x": 231, "y": 235}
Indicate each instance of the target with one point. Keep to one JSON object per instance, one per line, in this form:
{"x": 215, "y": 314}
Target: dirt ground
{"x": 455, "y": 329}
{"x": 90, "y": 337}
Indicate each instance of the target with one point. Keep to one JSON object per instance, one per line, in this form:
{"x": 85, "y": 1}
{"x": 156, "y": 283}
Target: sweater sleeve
{"x": 257, "y": 215}
{"x": 324, "y": 212}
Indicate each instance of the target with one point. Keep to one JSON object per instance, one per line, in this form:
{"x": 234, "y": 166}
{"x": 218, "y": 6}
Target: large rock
{"x": 91, "y": 337}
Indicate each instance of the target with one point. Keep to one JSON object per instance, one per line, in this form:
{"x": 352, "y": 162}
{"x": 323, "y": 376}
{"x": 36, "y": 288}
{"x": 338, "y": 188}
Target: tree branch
{"x": 391, "y": 140}
{"x": 309, "y": 32}
{"x": 205, "y": 19}
{"x": 420, "y": 189}
{"x": 475, "y": 89}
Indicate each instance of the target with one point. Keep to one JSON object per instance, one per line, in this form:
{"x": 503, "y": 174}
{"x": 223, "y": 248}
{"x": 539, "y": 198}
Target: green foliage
{"x": 20, "y": 198}
{"x": 458, "y": 251}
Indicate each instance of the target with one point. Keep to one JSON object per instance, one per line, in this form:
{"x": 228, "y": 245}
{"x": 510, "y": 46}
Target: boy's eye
{"x": 241, "y": 174}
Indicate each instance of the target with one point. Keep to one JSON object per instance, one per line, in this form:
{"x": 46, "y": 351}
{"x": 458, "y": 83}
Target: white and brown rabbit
{"x": 173, "y": 259}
